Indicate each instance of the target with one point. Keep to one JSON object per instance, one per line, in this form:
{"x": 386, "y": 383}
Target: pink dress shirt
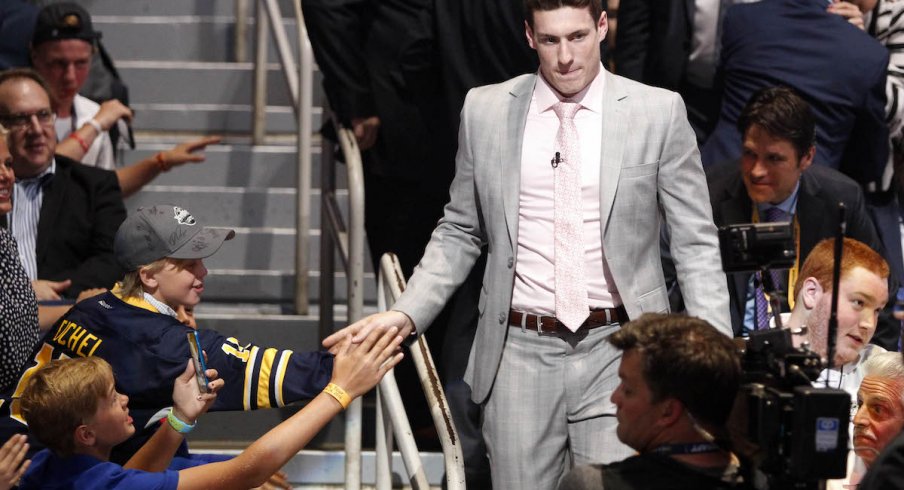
{"x": 534, "y": 288}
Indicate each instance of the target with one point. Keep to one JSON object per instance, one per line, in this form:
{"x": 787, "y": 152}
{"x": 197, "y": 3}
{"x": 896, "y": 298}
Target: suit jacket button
{"x": 502, "y": 318}
{"x": 511, "y": 262}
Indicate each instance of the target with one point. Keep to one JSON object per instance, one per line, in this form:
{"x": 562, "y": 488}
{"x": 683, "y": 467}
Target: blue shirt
{"x": 51, "y": 472}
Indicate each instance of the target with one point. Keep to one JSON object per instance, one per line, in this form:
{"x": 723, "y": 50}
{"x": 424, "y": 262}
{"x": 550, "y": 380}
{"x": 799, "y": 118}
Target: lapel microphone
{"x": 556, "y": 161}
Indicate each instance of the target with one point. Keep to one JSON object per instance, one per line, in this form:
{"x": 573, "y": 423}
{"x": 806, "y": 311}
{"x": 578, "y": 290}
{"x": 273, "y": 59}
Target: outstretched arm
{"x": 135, "y": 176}
{"x": 188, "y": 405}
{"x": 357, "y": 369}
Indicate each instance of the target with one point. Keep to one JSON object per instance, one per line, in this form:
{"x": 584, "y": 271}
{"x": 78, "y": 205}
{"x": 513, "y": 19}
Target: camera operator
{"x": 862, "y": 294}
{"x": 679, "y": 377}
{"x": 880, "y": 413}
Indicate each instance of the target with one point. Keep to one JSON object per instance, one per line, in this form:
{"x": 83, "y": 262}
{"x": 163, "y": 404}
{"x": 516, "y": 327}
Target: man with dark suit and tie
{"x": 566, "y": 176}
{"x": 776, "y": 179}
{"x": 836, "y": 67}
{"x": 64, "y": 214}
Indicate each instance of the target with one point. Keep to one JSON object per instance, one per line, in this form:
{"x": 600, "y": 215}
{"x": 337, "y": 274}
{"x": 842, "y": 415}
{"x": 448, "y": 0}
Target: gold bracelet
{"x": 339, "y": 394}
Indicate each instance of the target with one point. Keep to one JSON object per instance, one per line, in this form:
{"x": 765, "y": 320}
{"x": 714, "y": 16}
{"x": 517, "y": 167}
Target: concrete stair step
{"x": 215, "y": 118}
{"x": 319, "y": 469}
{"x": 235, "y": 207}
{"x": 275, "y": 286}
{"x": 152, "y": 82}
{"x": 170, "y": 7}
{"x": 266, "y": 249}
{"x": 186, "y": 37}
{"x": 237, "y": 165}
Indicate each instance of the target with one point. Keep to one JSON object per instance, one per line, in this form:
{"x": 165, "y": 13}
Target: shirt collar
{"x": 161, "y": 306}
{"x": 788, "y": 206}
{"x": 591, "y": 98}
{"x": 43, "y": 176}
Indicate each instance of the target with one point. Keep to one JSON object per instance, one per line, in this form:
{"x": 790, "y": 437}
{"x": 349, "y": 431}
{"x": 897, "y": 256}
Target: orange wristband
{"x": 162, "y": 164}
{"x": 339, "y": 394}
{"x": 81, "y": 142}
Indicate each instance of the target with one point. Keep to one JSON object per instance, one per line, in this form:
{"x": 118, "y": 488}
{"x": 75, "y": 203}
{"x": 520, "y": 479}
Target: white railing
{"x": 349, "y": 243}
{"x": 391, "y": 418}
{"x": 299, "y": 78}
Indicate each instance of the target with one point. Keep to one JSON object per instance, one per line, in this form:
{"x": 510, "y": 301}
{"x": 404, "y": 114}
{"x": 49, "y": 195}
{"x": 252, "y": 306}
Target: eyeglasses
{"x": 19, "y": 122}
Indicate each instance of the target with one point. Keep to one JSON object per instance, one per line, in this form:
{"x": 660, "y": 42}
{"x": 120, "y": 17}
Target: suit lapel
{"x": 816, "y": 216}
{"x": 737, "y": 208}
{"x": 51, "y": 205}
{"x": 613, "y": 146}
{"x": 512, "y": 137}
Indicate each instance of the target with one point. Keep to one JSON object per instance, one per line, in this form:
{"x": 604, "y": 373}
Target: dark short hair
{"x": 26, "y": 74}
{"x": 685, "y": 358}
{"x": 531, "y": 6}
{"x": 782, "y": 113}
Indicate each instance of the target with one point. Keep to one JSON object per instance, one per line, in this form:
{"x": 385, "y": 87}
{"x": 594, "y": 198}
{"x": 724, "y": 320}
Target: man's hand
{"x": 110, "y": 112}
{"x": 849, "y": 11}
{"x": 365, "y": 129}
{"x": 49, "y": 290}
{"x": 277, "y": 480}
{"x": 362, "y": 328}
{"x": 359, "y": 367}
{"x": 186, "y": 152}
{"x": 188, "y": 401}
{"x": 12, "y": 461}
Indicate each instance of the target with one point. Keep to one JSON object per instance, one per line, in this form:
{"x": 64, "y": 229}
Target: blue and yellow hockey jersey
{"x": 149, "y": 350}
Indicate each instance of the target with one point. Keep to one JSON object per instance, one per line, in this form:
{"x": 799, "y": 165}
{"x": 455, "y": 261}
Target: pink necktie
{"x": 571, "y": 290}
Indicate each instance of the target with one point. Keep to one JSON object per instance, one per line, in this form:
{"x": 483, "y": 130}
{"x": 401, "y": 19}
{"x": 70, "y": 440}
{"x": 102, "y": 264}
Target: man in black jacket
{"x": 65, "y": 214}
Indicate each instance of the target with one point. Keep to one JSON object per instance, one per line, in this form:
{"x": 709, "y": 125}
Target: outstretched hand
{"x": 377, "y": 323}
{"x": 188, "y": 401}
{"x": 12, "y": 461}
{"x": 359, "y": 367}
{"x": 190, "y": 151}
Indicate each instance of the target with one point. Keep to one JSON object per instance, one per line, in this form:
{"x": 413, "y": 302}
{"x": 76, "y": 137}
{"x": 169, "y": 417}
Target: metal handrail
{"x": 391, "y": 283}
{"x": 350, "y": 245}
{"x": 299, "y": 79}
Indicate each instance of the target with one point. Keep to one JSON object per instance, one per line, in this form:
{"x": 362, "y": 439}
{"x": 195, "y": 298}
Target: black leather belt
{"x": 539, "y": 323}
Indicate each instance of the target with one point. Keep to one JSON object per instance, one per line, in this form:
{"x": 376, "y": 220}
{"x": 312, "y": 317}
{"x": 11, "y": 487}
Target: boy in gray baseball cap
{"x": 161, "y": 248}
{"x": 136, "y": 329}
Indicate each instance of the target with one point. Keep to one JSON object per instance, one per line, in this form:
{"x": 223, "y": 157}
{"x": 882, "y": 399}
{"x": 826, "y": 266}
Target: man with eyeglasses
{"x": 64, "y": 214}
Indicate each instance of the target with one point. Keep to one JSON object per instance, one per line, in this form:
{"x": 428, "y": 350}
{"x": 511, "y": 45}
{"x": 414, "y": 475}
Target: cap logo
{"x": 183, "y": 217}
{"x": 71, "y": 21}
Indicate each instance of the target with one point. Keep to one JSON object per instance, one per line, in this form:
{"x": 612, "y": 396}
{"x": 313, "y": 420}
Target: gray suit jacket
{"x": 650, "y": 173}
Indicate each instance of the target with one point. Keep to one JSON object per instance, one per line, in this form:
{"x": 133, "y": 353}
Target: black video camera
{"x": 796, "y": 434}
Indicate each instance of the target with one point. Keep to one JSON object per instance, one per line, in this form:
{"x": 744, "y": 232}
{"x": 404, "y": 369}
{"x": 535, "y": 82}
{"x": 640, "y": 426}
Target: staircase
{"x": 177, "y": 58}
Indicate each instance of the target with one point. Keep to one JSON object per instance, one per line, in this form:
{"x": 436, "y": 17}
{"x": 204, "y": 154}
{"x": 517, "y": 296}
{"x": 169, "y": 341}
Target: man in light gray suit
{"x": 540, "y": 365}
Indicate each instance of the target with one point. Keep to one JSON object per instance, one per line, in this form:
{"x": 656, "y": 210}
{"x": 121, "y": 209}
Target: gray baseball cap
{"x": 155, "y": 232}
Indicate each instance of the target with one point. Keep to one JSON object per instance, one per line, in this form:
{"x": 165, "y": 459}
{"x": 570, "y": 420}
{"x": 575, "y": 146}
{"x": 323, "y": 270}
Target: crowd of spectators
{"x": 792, "y": 106}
